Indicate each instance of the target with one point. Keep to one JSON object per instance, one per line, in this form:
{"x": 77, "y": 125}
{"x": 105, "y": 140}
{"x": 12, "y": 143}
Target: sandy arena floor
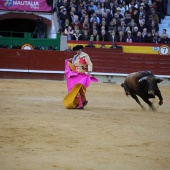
{"x": 38, "y": 133}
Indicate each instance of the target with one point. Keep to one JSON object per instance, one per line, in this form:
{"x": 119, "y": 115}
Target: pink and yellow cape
{"x": 76, "y": 83}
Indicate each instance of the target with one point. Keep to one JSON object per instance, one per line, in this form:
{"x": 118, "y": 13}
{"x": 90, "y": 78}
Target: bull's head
{"x": 152, "y": 83}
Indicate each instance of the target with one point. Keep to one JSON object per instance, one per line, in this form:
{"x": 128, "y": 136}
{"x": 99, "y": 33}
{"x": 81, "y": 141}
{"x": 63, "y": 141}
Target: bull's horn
{"x": 159, "y": 78}
{"x": 143, "y": 78}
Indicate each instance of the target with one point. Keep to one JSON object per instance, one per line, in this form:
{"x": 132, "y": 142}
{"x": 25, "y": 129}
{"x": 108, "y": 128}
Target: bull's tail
{"x": 125, "y": 88}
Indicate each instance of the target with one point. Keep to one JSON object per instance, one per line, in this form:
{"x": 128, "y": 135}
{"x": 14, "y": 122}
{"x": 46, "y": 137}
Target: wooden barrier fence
{"x": 16, "y": 63}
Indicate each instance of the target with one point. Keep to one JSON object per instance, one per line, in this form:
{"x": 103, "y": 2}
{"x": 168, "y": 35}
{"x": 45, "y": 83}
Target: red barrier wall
{"x": 104, "y": 60}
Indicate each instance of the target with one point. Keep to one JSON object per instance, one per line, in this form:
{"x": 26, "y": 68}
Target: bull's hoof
{"x": 122, "y": 84}
{"x": 161, "y": 102}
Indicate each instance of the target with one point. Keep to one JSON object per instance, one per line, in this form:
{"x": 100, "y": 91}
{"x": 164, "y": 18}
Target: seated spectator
{"x": 68, "y": 48}
{"x": 156, "y": 38}
{"x": 109, "y": 16}
{"x": 85, "y": 26}
{"x": 153, "y": 31}
{"x": 68, "y": 32}
{"x": 132, "y": 24}
{"x": 63, "y": 16}
{"x": 112, "y": 25}
{"x": 120, "y": 37}
{"x": 164, "y": 39}
{"x": 116, "y": 17}
{"x": 112, "y": 36}
{"x": 140, "y": 19}
{"x": 94, "y": 18}
{"x": 122, "y": 9}
{"x": 144, "y": 32}
{"x": 103, "y": 8}
{"x": 139, "y": 38}
{"x": 123, "y": 25}
{"x": 94, "y": 27}
{"x": 103, "y": 37}
{"x": 164, "y": 33}
{"x": 153, "y": 25}
{"x": 135, "y": 16}
{"x": 76, "y": 23}
{"x": 148, "y": 38}
{"x": 129, "y": 38}
{"x": 118, "y": 30}
{"x": 135, "y": 31}
{"x": 127, "y": 18}
{"x": 85, "y": 36}
{"x": 154, "y": 15}
{"x": 77, "y": 36}
{"x": 94, "y": 36}
{"x": 112, "y": 8}
{"x": 105, "y": 26}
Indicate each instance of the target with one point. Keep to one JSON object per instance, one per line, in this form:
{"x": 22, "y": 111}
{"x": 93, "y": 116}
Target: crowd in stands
{"x": 112, "y": 20}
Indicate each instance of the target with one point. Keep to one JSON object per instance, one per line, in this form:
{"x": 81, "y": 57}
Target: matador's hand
{"x": 88, "y": 73}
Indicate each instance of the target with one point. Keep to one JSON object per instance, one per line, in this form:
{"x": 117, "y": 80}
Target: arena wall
{"x": 110, "y": 63}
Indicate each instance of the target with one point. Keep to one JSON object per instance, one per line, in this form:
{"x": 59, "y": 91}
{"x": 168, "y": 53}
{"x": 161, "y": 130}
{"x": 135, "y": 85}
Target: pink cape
{"x": 73, "y": 78}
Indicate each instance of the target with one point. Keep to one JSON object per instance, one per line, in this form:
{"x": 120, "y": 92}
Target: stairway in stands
{"x": 165, "y": 24}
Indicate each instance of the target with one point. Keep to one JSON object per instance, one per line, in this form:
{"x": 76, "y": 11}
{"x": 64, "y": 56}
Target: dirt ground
{"x": 38, "y": 133}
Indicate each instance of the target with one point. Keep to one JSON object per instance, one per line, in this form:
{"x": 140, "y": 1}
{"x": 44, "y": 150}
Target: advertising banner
{"x": 26, "y": 5}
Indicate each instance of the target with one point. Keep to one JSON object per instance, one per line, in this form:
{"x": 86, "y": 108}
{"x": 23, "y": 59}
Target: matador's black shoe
{"x": 85, "y": 103}
{"x": 80, "y": 107}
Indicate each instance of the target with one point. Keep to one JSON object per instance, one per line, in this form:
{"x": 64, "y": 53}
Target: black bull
{"x": 143, "y": 84}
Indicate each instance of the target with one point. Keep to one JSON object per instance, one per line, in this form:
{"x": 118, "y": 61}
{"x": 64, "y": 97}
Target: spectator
{"x": 164, "y": 33}
{"x": 112, "y": 8}
{"x": 68, "y": 32}
{"x": 123, "y": 25}
{"x": 85, "y": 36}
{"x": 156, "y": 38}
{"x": 77, "y": 36}
{"x": 118, "y": 30}
{"x": 105, "y": 26}
{"x": 135, "y": 16}
{"x": 135, "y": 32}
{"x": 94, "y": 18}
{"x": 153, "y": 31}
{"x": 122, "y": 9}
{"x": 94, "y": 28}
{"x": 120, "y": 37}
{"x": 118, "y": 11}
{"x": 112, "y": 36}
{"x": 139, "y": 38}
{"x": 76, "y": 23}
{"x": 164, "y": 39}
{"x": 127, "y": 19}
{"x": 63, "y": 16}
{"x": 153, "y": 26}
{"x": 94, "y": 36}
{"x": 103, "y": 8}
{"x": 132, "y": 24}
{"x": 154, "y": 15}
{"x": 148, "y": 38}
{"x": 112, "y": 25}
{"x": 103, "y": 37}
{"x": 141, "y": 27}
{"x": 68, "y": 48}
{"x": 144, "y": 32}
{"x": 129, "y": 38}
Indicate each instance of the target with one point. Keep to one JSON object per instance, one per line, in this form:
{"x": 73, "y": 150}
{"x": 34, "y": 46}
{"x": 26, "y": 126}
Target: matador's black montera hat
{"x": 77, "y": 47}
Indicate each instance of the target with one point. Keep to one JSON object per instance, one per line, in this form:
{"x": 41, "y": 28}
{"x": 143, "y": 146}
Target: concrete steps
{"x": 165, "y": 24}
